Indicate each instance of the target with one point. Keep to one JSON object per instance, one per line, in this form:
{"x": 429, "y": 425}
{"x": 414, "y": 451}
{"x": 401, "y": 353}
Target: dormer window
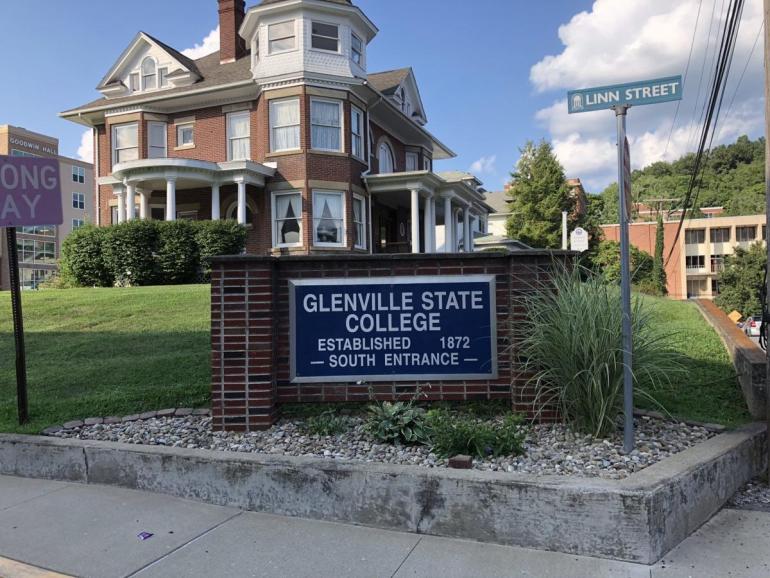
{"x": 163, "y": 77}
{"x": 149, "y": 74}
{"x": 134, "y": 81}
{"x": 357, "y": 49}
{"x": 326, "y": 37}
{"x": 282, "y": 37}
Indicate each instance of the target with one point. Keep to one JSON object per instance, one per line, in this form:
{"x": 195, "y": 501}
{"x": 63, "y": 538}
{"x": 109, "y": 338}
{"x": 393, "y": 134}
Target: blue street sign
{"x": 393, "y": 329}
{"x": 633, "y": 93}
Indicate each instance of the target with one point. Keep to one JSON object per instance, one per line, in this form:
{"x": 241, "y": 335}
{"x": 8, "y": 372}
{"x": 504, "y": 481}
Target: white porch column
{"x": 415, "y": 221}
{"x": 216, "y": 206}
{"x": 432, "y": 224}
{"x": 121, "y": 206}
{"x": 144, "y": 205}
{"x": 241, "y": 201}
{"x": 171, "y": 199}
{"x": 449, "y": 234}
{"x": 426, "y": 223}
{"x": 473, "y": 237}
{"x": 467, "y": 230}
{"x": 130, "y": 202}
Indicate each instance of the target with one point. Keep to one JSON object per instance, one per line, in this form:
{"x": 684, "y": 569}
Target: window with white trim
{"x": 385, "y": 158}
{"x": 357, "y": 132}
{"x": 357, "y": 49}
{"x": 238, "y": 136}
{"x": 326, "y": 125}
{"x": 156, "y": 140}
{"x": 282, "y": 37}
{"x": 412, "y": 162}
{"x": 78, "y": 201}
{"x": 77, "y": 223}
{"x": 163, "y": 77}
{"x": 287, "y": 219}
{"x": 134, "y": 82}
{"x": 185, "y": 134}
{"x": 359, "y": 220}
{"x": 125, "y": 142}
{"x": 149, "y": 74}
{"x": 427, "y": 164}
{"x": 78, "y": 174}
{"x": 328, "y": 219}
{"x": 284, "y": 125}
{"x": 325, "y": 36}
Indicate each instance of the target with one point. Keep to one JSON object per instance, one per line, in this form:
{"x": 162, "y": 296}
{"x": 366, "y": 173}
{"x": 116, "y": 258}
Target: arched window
{"x": 232, "y": 212}
{"x": 149, "y": 74}
{"x": 385, "y": 158}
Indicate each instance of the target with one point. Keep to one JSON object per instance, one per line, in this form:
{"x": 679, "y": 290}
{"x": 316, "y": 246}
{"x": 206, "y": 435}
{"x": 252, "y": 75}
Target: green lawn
{"x": 98, "y": 352}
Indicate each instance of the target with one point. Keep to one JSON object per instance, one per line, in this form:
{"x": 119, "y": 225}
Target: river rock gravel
{"x": 753, "y": 496}
{"x": 549, "y": 449}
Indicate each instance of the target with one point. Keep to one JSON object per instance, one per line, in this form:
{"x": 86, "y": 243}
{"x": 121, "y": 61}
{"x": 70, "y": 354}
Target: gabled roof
{"x": 388, "y": 82}
{"x": 499, "y": 201}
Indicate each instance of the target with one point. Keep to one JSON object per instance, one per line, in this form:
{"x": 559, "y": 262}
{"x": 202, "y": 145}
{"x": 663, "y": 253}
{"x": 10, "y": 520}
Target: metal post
{"x": 18, "y": 327}
{"x": 564, "y": 236}
{"x": 767, "y": 199}
{"x": 625, "y": 289}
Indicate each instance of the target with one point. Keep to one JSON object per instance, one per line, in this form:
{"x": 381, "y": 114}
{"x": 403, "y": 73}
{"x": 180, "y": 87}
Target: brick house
{"x": 284, "y": 130}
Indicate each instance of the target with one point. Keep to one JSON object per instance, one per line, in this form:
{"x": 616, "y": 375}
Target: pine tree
{"x": 538, "y": 195}
{"x": 659, "y": 270}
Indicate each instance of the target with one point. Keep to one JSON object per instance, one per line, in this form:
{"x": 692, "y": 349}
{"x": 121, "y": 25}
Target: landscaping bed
{"x": 547, "y": 449}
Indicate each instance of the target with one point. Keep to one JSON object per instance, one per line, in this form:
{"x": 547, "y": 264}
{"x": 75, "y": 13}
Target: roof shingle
{"x": 387, "y": 82}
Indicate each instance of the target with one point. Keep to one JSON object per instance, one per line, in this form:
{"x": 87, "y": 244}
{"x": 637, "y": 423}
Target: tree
{"x": 607, "y": 263}
{"x": 740, "y": 282}
{"x": 658, "y": 267}
{"x": 538, "y": 195}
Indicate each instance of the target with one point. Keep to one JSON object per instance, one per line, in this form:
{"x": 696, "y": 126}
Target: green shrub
{"x": 82, "y": 258}
{"x": 218, "y": 238}
{"x": 130, "y": 252}
{"x": 177, "y": 254}
{"x": 399, "y": 421}
{"x": 573, "y": 343}
{"x": 452, "y": 434}
{"x": 329, "y": 423}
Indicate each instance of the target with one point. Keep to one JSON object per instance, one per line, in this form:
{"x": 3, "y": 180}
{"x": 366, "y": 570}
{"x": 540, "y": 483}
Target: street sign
{"x": 578, "y": 240}
{"x": 30, "y": 194}
{"x": 393, "y": 329}
{"x": 630, "y": 94}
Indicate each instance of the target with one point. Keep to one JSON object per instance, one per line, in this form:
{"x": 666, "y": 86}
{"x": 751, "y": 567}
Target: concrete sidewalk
{"x": 80, "y": 530}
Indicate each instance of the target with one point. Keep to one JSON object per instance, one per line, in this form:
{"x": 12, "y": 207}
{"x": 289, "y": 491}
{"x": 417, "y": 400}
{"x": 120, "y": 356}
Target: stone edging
{"x": 112, "y": 420}
{"x": 637, "y": 519}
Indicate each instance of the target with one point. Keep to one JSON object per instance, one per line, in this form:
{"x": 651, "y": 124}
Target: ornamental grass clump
{"x": 573, "y": 344}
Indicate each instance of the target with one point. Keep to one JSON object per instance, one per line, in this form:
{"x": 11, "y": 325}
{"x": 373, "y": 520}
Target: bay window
{"x": 326, "y": 123}
{"x": 328, "y": 219}
{"x": 359, "y": 220}
{"x": 282, "y": 37}
{"x": 125, "y": 143}
{"x": 357, "y": 132}
{"x": 287, "y": 219}
{"x": 325, "y": 37}
{"x": 156, "y": 140}
{"x": 238, "y": 136}
{"x": 284, "y": 125}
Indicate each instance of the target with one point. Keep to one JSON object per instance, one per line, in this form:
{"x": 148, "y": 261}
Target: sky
{"x": 493, "y": 74}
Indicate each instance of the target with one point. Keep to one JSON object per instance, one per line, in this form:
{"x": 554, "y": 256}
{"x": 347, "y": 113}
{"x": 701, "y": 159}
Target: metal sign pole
{"x": 18, "y": 327}
{"x": 625, "y": 287}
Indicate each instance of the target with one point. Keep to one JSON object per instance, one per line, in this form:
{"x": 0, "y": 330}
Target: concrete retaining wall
{"x": 638, "y": 519}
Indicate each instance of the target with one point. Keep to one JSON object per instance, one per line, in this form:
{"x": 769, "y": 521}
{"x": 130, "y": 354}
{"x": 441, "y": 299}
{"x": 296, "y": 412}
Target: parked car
{"x": 752, "y": 325}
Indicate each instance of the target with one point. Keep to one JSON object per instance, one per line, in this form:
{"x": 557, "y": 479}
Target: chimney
{"x": 231, "y": 45}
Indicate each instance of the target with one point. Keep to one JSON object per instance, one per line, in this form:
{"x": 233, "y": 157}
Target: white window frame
{"x": 363, "y": 241}
{"x": 77, "y": 223}
{"x": 230, "y": 138}
{"x": 392, "y": 158}
{"x": 344, "y": 241}
{"x": 416, "y": 165}
{"x": 353, "y": 51}
{"x": 151, "y": 146}
{"x": 273, "y": 149}
{"x": 143, "y": 76}
{"x": 312, "y": 36}
{"x": 270, "y": 40}
{"x": 78, "y": 174}
{"x": 135, "y": 82}
{"x": 179, "y": 129}
{"x": 341, "y": 127}
{"x": 79, "y": 199}
{"x": 274, "y": 220}
{"x": 115, "y": 150}
{"x": 354, "y": 110}
{"x": 163, "y": 77}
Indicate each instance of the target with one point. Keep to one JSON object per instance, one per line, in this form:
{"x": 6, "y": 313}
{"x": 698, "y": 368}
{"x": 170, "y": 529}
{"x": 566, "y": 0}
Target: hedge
{"x": 148, "y": 252}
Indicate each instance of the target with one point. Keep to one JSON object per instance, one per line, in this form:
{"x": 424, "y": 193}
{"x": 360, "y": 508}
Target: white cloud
{"x": 634, "y": 40}
{"x": 485, "y": 165}
{"x": 86, "y": 148}
{"x": 210, "y": 44}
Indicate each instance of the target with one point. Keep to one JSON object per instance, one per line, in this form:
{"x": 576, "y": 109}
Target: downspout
{"x": 369, "y": 167}
{"x": 97, "y": 194}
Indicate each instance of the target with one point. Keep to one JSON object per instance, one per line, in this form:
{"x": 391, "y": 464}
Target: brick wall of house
{"x": 250, "y": 331}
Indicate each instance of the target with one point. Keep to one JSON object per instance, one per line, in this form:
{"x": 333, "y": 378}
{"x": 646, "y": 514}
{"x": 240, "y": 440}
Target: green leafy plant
{"x": 215, "y": 238}
{"x": 129, "y": 253}
{"x": 82, "y": 259}
{"x": 177, "y": 253}
{"x": 398, "y": 421}
{"x": 328, "y": 423}
{"x": 572, "y": 342}
{"x": 453, "y": 433}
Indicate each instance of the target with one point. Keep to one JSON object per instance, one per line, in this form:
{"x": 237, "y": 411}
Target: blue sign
{"x": 631, "y": 94}
{"x": 393, "y": 329}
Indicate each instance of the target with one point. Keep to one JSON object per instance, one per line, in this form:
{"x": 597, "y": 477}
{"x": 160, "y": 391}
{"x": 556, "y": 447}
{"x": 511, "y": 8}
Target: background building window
{"x": 359, "y": 220}
{"x": 78, "y": 201}
{"x": 32, "y": 278}
{"x": 385, "y": 159}
{"x": 695, "y": 261}
{"x": 714, "y": 287}
{"x": 78, "y": 174}
{"x": 125, "y": 143}
{"x": 721, "y": 235}
{"x": 36, "y": 252}
{"x": 77, "y": 223}
{"x": 357, "y": 48}
{"x": 696, "y": 288}
{"x": 149, "y": 74}
{"x": 156, "y": 142}
{"x": 695, "y": 236}
{"x": 325, "y": 118}
{"x": 43, "y": 230}
{"x": 281, "y": 37}
{"x": 287, "y": 219}
{"x": 717, "y": 263}
{"x": 745, "y": 234}
{"x": 238, "y": 135}
{"x": 185, "y": 135}
{"x": 328, "y": 218}
{"x": 357, "y": 132}
{"x": 284, "y": 125}
{"x": 326, "y": 37}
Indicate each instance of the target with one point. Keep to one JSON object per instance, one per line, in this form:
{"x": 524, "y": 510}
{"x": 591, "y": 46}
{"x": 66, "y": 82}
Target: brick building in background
{"x": 39, "y": 247}
{"x": 284, "y": 130}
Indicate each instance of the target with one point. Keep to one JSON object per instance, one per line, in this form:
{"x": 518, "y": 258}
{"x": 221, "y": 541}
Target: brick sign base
{"x": 250, "y": 357}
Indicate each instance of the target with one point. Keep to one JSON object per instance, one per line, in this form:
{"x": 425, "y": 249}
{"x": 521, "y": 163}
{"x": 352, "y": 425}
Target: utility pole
{"x": 767, "y": 210}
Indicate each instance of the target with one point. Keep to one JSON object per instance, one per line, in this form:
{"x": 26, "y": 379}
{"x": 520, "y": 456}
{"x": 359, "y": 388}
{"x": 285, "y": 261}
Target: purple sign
{"x": 30, "y": 192}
